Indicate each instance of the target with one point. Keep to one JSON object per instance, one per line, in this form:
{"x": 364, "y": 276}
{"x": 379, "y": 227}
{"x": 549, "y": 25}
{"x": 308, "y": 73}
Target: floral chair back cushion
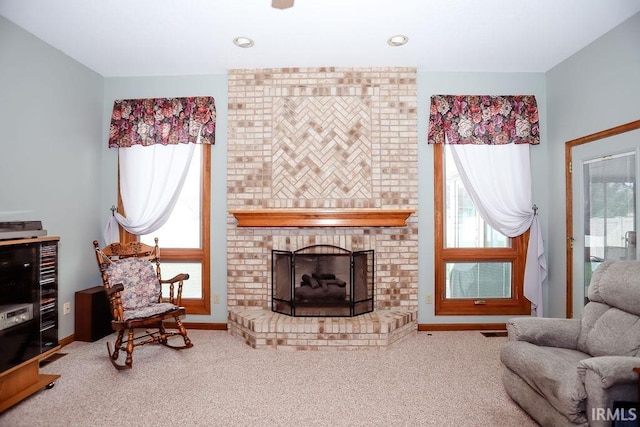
{"x": 141, "y": 284}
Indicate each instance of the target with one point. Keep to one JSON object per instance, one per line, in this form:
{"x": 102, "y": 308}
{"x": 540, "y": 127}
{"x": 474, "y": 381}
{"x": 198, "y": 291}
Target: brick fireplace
{"x": 308, "y": 150}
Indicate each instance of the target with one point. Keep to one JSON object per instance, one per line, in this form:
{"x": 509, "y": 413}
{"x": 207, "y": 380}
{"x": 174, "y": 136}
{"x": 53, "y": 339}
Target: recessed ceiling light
{"x": 243, "y": 42}
{"x": 397, "y": 40}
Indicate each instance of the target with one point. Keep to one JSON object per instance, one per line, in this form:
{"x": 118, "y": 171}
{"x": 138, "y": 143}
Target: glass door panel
{"x": 609, "y": 211}
{"x": 605, "y": 209}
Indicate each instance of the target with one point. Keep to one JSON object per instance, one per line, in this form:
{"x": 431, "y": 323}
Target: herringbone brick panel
{"x": 321, "y": 147}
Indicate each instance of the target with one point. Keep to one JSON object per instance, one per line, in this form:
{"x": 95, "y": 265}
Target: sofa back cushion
{"x": 611, "y": 320}
{"x": 617, "y": 283}
{"x": 609, "y": 331}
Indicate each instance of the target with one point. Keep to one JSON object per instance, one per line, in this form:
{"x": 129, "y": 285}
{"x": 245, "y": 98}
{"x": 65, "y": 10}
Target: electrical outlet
{"x": 67, "y": 308}
{"x": 428, "y": 299}
{"x": 216, "y": 298}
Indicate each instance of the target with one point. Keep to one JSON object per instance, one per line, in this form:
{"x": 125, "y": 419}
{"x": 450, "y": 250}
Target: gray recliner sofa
{"x": 567, "y": 372}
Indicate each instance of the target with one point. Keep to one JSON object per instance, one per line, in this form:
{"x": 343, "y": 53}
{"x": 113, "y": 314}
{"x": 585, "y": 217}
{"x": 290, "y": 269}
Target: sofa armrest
{"x": 611, "y": 370}
{"x": 548, "y": 332}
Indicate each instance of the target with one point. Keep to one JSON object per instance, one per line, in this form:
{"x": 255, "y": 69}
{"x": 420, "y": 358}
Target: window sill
{"x": 492, "y": 307}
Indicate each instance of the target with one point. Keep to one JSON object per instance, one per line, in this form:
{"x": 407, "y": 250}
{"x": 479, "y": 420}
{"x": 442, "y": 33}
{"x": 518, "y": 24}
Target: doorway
{"x": 602, "y": 205}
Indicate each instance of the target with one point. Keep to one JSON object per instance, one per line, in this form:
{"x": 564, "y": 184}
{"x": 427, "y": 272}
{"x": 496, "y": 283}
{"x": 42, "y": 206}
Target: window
{"x": 477, "y": 270}
{"x": 184, "y": 238}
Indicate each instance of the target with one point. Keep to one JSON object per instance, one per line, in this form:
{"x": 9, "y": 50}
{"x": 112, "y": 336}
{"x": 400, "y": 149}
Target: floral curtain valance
{"x": 162, "y": 121}
{"x": 475, "y": 119}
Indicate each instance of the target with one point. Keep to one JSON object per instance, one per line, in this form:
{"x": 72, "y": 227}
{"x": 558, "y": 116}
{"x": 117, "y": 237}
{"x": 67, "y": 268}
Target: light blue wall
{"x": 596, "y": 89}
{"x": 51, "y": 121}
{"x": 470, "y": 84}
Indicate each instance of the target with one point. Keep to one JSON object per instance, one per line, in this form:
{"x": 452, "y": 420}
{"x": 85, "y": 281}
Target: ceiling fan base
{"x": 282, "y": 4}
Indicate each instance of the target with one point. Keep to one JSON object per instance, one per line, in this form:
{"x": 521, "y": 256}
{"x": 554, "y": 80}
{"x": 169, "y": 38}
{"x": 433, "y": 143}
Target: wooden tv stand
{"x": 23, "y": 380}
{"x": 33, "y": 335}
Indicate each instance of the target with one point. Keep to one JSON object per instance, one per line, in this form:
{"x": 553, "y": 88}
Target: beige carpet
{"x": 443, "y": 379}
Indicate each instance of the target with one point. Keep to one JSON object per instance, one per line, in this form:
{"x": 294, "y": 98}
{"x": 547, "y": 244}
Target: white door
{"x": 605, "y": 207}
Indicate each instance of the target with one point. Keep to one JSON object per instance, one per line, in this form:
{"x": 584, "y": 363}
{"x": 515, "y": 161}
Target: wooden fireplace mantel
{"x": 322, "y": 217}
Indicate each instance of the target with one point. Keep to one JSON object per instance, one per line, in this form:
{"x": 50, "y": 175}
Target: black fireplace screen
{"x": 322, "y": 280}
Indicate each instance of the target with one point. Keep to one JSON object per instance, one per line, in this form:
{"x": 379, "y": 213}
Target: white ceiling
{"x": 182, "y": 37}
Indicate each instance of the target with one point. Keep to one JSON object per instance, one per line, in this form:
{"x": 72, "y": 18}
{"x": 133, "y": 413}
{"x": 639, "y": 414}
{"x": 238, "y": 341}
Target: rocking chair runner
{"x": 134, "y": 289}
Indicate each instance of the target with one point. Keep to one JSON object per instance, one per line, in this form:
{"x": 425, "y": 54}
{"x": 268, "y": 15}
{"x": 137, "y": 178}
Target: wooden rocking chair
{"x": 134, "y": 289}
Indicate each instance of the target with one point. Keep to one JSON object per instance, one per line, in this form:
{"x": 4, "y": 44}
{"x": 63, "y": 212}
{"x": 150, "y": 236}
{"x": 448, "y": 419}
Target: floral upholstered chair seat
{"x": 142, "y": 290}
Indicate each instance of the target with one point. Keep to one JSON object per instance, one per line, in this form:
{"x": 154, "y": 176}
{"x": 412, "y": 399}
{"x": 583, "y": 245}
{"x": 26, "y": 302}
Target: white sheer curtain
{"x": 151, "y": 178}
{"x": 498, "y": 180}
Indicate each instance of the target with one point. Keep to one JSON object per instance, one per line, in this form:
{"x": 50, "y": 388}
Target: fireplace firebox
{"x": 322, "y": 280}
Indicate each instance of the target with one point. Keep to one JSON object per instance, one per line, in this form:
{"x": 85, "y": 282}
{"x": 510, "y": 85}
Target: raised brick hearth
{"x": 266, "y": 329}
{"x": 317, "y": 140}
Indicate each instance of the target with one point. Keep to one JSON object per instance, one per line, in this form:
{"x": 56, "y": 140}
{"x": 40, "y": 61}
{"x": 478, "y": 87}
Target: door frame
{"x": 568, "y": 173}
